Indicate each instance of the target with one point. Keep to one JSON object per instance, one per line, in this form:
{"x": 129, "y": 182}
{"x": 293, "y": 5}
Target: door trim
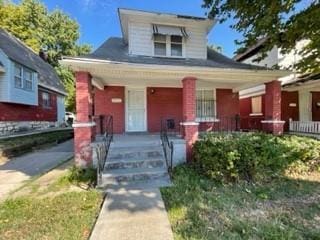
{"x": 145, "y": 107}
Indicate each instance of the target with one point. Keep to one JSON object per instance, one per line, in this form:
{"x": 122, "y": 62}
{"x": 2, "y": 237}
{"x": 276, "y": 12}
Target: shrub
{"x": 233, "y": 157}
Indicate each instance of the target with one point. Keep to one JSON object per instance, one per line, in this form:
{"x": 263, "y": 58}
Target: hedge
{"x": 250, "y": 156}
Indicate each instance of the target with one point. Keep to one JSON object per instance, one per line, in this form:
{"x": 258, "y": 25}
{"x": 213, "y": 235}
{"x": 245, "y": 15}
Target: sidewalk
{"x": 129, "y": 214}
{"x": 15, "y": 172}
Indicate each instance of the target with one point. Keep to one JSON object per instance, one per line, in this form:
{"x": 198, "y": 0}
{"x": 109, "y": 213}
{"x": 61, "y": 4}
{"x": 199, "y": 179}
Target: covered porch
{"x": 141, "y": 97}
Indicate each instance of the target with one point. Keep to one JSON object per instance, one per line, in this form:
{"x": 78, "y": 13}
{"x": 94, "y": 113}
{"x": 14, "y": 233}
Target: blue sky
{"x": 99, "y": 20}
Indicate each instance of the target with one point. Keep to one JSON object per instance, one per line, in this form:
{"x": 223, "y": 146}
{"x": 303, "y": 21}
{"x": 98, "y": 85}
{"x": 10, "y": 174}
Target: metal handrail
{"x": 167, "y": 146}
{"x": 103, "y": 147}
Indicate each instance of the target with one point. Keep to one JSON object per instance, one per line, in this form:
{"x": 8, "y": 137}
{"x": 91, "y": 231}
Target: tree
{"x": 278, "y": 21}
{"x": 55, "y": 32}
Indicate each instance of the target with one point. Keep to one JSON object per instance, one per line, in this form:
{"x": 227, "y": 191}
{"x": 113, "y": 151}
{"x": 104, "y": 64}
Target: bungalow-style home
{"x": 31, "y": 94}
{"x": 161, "y": 69}
{"x": 300, "y": 92}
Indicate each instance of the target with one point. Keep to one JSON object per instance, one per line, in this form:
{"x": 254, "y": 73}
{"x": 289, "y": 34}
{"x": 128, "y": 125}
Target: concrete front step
{"x": 134, "y": 153}
{"x": 132, "y": 163}
{"x": 114, "y": 176}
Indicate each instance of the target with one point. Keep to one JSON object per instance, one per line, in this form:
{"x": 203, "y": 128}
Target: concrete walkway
{"x": 15, "y": 172}
{"x": 133, "y": 214}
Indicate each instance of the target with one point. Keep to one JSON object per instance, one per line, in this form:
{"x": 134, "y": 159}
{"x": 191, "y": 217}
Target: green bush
{"x": 233, "y": 157}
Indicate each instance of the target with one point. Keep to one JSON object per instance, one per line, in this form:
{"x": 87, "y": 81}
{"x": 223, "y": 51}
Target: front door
{"x": 136, "y": 110}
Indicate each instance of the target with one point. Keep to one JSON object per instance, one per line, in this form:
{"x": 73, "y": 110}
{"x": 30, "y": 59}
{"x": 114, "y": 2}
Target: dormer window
{"x": 160, "y": 45}
{"x": 169, "y": 41}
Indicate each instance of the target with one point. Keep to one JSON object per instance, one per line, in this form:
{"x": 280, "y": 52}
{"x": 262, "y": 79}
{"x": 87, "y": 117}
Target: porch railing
{"x": 166, "y": 145}
{"x": 304, "y": 126}
{"x": 102, "y": 148}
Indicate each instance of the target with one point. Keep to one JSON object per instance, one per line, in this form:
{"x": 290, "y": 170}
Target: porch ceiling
{"x": 126, "y": 74}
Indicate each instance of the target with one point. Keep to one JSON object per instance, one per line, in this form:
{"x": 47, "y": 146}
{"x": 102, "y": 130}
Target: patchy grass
{"x": 282, "y": 208}
{"x": 12, "y": 147}
{"x": 50, "y": 207}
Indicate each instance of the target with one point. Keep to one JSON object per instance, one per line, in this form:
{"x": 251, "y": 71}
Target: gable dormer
{"x": 165, "y": 35}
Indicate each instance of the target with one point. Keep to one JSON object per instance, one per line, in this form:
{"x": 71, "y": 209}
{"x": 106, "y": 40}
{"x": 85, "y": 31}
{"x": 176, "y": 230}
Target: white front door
{"x": 136, "y": 110}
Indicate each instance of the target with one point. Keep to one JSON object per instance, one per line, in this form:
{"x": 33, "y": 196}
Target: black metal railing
{"x": 166, "y": 145}
{"x": 102, "y": 148}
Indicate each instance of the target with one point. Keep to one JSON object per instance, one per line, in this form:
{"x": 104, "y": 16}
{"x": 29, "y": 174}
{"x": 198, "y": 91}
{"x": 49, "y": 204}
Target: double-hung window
{"x": 168, "y": 45}
{"x": 176, "y": 46}
{"x": 205, "y": 105}
{"x": 18, "y": 82}
{"x": 23, "y": 77}
{"x": 160, "y": 45}
{"x": 46, "y": 103}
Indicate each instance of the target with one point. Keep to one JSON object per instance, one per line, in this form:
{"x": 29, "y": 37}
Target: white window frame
{"x": 45, "y": 104}
{"x": 168, "y": 48}
{"x": 213, "y": 118}
{"x": 23, "y": 78}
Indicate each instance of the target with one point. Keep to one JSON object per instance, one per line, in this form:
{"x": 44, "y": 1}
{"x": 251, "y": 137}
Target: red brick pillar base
{"x": 189, "y": 126}
{"x": 84, "y": 127}
{"x": 272, "y": 123}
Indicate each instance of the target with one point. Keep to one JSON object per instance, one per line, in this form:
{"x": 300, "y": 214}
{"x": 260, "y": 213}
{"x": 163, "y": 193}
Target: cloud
{"x": 98, "y": 5}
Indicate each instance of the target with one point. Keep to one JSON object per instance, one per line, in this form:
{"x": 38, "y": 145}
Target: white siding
{"x": 269, "y": 61}
{"x": 22, "y": 96}
{"x": 141, "y": 42}
{"x": 60, "y": 109}
{"x": 4, "y": 96}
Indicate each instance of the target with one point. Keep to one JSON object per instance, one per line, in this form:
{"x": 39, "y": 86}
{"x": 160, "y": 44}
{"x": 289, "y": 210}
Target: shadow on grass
{"x": 281, "y": 208}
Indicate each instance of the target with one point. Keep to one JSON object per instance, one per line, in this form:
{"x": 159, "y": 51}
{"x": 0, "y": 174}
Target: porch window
{"x": 46, "y": 100}
{"x": 256, "y": 105}
{"x": 205, "y": 105}
{"x": 160, "y": 45}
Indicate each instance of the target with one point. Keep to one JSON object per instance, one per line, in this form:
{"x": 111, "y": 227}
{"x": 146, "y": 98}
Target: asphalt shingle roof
{"x": 114, "y": 49}
{"x": 20, "y": 53}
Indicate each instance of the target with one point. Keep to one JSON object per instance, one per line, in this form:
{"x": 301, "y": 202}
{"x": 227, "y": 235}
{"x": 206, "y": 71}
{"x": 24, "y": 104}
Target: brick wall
{"x": 247, "y": 121}
{"x": 163, "y": 103}
{"x": 20, "y": 112}
{"x": 103, "y": 105}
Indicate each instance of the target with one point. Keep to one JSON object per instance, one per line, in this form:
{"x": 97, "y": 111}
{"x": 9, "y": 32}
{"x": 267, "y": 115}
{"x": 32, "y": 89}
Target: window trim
{"x": 22, "y": 77}
{"x": 168, "y": 48}
{"x": 214, "y": 117}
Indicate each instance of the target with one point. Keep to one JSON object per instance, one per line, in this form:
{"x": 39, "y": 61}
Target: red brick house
{"x": 300, "y": 93}
{"x": 31, "y": 94}
{"x": 160, "y": 69}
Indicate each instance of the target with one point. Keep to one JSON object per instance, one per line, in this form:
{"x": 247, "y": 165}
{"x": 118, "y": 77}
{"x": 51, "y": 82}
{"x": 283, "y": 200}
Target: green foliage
{"x": 254, "y": 155}
{"x": 279, "y": 21}
{"x": 55, "y": 32}
{"x": 82, "y": 175}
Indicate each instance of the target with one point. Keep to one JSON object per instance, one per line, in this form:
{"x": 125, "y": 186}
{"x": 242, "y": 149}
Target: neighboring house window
{"x": 205, "y": 104}
{"x": 18, "y": 76}
{"x": 23, "y": 77}
{"x": 176, "y": 46}
{"x": 46, "y": 100}
{"x": 256, "y": 105}
{"x": 160, "y": 45}
{"x": 168, "y": 46}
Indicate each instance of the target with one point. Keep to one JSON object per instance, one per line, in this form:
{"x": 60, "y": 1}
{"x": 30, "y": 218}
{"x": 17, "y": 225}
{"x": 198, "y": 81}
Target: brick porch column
{"x": 84, "y": 132}
{"x": 189, "y": 126}
{"x": 273, "y": 123}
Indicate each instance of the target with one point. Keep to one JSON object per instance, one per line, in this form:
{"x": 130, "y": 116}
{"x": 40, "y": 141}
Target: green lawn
{"x": 281, "y": 208}
{"x": 50, "y": 208}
